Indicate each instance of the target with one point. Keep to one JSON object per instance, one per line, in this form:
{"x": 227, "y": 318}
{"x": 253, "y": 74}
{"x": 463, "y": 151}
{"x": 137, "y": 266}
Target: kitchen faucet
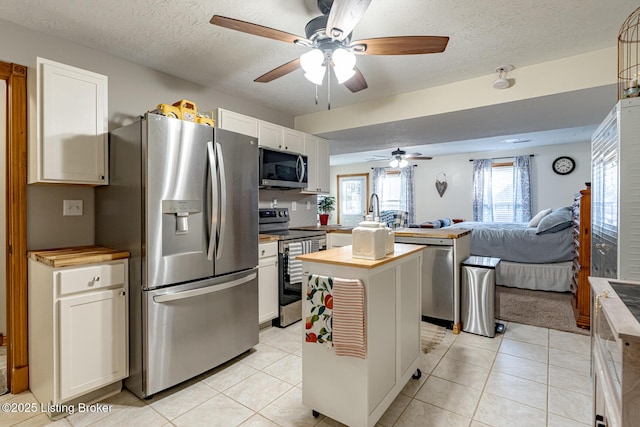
{"x": 376, "y": 218}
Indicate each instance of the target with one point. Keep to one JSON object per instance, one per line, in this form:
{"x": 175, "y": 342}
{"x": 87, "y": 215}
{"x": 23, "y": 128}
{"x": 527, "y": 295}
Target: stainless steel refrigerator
{"x": 183, "y": 199}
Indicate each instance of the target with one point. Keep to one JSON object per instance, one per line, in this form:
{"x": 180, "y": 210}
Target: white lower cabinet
{"x": 354, "y": 391}
{"x": 78, "y": 330}
{"x": 93, "y": 347}
{"x": 336, "y": 240}
{"x": 267, "y": 282}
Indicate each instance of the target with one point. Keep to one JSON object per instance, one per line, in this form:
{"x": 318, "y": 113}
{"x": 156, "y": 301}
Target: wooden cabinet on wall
{"x": 68, "y": 110}
{"x": 582, "y": 257}
{"x": 78, "y": 327}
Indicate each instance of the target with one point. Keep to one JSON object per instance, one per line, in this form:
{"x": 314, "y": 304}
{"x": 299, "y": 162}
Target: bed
{"x": 538, "y": 257}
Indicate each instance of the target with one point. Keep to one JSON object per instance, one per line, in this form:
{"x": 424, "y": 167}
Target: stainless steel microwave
{"x": 282, "y": 169}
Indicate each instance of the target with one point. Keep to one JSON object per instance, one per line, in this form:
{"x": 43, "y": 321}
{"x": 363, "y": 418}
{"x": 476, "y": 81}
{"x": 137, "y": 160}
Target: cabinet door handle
{"x": 123, "y": 293}
{"x": 96, "y": 279}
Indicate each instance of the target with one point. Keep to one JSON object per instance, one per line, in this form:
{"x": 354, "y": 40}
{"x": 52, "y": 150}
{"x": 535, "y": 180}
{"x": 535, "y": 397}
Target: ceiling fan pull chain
{"x": 316, "y": 94}
{"x": 328, "y": 91}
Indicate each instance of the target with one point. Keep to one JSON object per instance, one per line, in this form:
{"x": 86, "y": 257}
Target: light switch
{"x": 72, "y": 207}
{"x": 308, "y": 205}
{"x": 294, "y": 206}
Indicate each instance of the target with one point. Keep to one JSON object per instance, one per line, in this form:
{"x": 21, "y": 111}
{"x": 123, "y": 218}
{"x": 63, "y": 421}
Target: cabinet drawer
{"x": 268, "y": 249}
{"x": 90, "y": 278}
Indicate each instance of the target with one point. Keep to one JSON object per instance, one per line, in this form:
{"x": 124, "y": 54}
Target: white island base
{"x": 357, "y": 391}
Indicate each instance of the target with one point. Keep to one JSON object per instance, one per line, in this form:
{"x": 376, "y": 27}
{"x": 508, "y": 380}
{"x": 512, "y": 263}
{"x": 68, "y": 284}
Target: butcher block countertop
{"x": 438, "y": 233}
{"x": 78, "y": 255}
{"x": 266, "y": 238}
{"x": 333, "y": 228}
{"x": 342, "y": 256}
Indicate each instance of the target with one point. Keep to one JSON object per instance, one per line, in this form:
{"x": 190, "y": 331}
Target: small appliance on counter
{"x": 372, "y": 239}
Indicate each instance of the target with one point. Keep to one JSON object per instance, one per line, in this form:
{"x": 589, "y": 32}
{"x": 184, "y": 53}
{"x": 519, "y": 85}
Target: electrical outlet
{"x": 72, "y": 207}
{"x": 294, "y": 206}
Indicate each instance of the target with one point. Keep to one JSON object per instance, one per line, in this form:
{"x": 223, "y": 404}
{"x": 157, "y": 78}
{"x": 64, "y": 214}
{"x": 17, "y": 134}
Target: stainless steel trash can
{"x": 477, "y": 296}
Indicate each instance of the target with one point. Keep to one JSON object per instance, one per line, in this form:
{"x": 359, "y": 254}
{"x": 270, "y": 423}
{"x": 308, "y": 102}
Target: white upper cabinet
{"x": 236, "y": 122}
{"x": 292, "y": 140}
{"x": 68, "y": 125}
{"x": 317, "y": 152}
{"x": 322, "y": 162}
{"x": 270, "y": 135}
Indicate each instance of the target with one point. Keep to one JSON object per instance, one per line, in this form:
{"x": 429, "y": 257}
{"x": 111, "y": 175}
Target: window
{"x": 391, "y": 192}
{"x": 502, "y": 192}
{"x": 395, "y": 190}
{"x": 353, "y": 197}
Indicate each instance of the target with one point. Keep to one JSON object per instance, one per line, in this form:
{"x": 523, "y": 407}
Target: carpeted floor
{"x": 551, "y": 310}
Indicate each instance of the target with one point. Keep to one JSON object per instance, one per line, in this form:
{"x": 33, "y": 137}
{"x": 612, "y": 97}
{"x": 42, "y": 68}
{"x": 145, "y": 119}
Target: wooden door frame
{"x": 15, "y": 77}
{"x": 351, "y": 175}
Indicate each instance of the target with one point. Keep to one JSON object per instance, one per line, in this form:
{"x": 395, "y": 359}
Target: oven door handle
{"x": 203, "y": 291}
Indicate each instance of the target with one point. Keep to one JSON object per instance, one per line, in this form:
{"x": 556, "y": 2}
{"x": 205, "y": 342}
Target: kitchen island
{"x": 353, "y": 390}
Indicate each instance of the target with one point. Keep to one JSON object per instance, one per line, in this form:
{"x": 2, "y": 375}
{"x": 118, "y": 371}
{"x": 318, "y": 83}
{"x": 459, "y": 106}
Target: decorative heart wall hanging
{"x": 441, "y": 185}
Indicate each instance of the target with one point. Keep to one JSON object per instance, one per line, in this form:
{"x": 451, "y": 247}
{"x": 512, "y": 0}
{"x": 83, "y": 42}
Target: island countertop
{"x": 343, "y": 256}
{"x": 436, "y": 233}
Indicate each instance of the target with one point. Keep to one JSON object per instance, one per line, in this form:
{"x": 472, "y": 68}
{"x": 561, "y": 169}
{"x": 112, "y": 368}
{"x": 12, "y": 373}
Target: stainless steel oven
{"x": 290, "y": 276}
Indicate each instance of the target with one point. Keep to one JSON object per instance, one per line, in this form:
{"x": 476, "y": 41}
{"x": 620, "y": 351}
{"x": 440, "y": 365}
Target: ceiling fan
{"x": 400, "y": 158}
{"x": 329, "y": 37}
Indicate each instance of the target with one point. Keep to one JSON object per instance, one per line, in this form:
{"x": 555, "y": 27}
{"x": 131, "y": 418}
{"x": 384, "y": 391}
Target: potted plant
{"x": 326, "y": 205}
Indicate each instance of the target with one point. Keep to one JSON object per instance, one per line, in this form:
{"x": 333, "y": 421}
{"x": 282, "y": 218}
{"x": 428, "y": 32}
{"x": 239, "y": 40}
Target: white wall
{"x": 549, "y": 190}
{"x": 133, "y": 90}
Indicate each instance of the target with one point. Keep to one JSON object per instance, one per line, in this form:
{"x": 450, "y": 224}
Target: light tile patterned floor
{"x": 528, "y": 376}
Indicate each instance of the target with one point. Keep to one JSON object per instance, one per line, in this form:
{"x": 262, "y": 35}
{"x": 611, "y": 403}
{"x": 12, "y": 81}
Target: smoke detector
{"x": 502, "y": 82}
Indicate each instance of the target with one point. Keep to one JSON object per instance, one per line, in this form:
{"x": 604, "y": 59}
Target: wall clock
{"x": 563, "y": 165}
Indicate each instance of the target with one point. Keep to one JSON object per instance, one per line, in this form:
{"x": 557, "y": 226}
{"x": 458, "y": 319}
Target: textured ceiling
{"x": 176, "y": 37}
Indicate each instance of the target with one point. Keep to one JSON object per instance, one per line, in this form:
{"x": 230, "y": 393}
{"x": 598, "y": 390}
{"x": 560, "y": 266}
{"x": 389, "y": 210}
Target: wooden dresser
{"x": 582, "y": 257}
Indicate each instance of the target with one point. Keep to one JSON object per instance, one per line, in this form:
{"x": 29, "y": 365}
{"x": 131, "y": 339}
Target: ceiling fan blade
{"x": 400, "y": 45}
{"x": 279, "y": 71}
{"x": 257, "y": 30}
{"x": 420, "y": 158}
{"x": 344, "y": 16}
{"x": 357, "y": 82}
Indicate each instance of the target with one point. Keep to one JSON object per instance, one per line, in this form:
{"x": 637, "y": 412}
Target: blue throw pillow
{"x": 559, "y": 219}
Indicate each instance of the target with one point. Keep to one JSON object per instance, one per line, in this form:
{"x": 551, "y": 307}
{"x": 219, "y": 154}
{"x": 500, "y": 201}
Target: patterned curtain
{"x": 522, "y": 188}
{"x": 482, "y": 200}
{"x": 407, "y": 193}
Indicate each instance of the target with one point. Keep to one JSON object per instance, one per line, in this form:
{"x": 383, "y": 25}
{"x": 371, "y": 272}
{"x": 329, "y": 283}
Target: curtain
{"x": 482, "y": 200}
{"x": 407, "y": 193}
{"x": 522, "y": 188}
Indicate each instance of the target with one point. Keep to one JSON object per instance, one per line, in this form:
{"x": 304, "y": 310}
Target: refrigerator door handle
{"x": 300, "y": 168}
{"x": 213, "y": 203}
{"x": 202, "y": 291}
{"x": 223, "y": 201}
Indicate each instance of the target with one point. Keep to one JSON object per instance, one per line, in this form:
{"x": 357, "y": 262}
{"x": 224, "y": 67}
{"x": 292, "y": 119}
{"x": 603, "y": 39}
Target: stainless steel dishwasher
{"x": 437, "y": 278}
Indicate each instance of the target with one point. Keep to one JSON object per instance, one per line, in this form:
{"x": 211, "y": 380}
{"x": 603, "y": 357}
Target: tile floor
{"x": 528, "y": 376}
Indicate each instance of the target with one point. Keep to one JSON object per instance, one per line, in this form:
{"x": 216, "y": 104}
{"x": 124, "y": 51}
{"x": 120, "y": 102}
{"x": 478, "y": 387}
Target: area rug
{"x": 551, "y": 310}
{"x": 430, "y": 336}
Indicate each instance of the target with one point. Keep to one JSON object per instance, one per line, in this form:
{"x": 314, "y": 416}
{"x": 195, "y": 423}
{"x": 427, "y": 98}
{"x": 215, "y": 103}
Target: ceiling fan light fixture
{"x": 312, "y": 60}
{"x": 403, "y": 163}
{"x": 316, "y": 75}
{"x": 344, "y": 63}
{"x": 394, "y": 163}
